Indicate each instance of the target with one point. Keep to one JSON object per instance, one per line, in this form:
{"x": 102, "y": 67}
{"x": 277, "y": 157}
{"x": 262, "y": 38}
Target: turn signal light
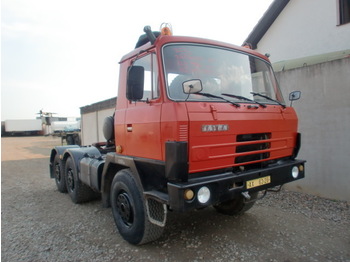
{"x": 119, "y": 149}
{"x": 188, "y": 194}
{"x": 301, "y": 168}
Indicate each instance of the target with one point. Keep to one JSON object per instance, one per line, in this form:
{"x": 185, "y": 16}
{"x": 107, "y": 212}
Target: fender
{"x": 148, "y": 173}
{"x": 58, "y": 150}
{"x": 113, "y": 163}
{"x": 77, "y": 154}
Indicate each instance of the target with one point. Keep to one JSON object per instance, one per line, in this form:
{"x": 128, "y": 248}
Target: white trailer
{"x": 23, "y": 127}
{"x": 65, "y": 126}
{"x": 67, "y": 130}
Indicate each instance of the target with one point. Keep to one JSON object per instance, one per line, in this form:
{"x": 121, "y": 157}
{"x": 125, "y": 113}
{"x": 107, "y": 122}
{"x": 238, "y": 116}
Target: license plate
{"x": 258, "y": 182}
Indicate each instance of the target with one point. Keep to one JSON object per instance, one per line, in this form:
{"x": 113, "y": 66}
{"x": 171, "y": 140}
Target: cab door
{"x": 142, "y": 117}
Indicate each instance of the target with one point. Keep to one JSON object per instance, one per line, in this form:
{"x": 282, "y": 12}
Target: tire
{"x": 60, "y": 177}
{"x": 236, "y": 206}
{"x": 77, "y": 140}
{"x": 129, "y": 210}
{"x": 70, "y": 140}
{"x": 77, "y": 191}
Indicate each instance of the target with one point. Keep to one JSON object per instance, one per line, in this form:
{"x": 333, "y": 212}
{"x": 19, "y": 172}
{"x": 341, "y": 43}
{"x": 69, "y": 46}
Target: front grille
{"x": 249, "y": 147}
{"x": 253, "y": 137}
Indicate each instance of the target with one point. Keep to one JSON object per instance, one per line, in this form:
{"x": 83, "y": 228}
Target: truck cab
{"x": 198, "y": 123}
{"x": 210, "y": 107}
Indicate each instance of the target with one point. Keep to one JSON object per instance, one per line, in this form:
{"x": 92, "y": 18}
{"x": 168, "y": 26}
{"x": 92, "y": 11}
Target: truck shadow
{"x": 194, "y": 228}
{"x": 29, "y": 192}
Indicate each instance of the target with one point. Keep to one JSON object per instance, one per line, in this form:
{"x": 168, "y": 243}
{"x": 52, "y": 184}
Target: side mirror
{"x": 135, "y": 81}
{"x": 295, "y": 95}
{"x": 192, "y": 86}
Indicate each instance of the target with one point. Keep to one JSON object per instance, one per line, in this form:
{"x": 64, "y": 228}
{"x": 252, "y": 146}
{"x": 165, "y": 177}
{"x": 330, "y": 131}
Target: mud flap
{"x": 156, "y": 212}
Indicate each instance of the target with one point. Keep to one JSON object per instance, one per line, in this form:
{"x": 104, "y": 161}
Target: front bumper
{"x": 229, "y": 185}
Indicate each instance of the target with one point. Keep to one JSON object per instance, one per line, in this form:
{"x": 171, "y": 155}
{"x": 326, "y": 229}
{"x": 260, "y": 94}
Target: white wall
{"x": 92, "y": 124}
{"x": 88, "y": 128}
{"x": 305, "y": 28}
{"x": 324, "y": 124}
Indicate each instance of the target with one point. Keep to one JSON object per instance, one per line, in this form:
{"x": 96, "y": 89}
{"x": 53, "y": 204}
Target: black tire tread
{"x": 144, "y": 231}
{"x": 61, "y": 185}
{"x": 82, "y": 192}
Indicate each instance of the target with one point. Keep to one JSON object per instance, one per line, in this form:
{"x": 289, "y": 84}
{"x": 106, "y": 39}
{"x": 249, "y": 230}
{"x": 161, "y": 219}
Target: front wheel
{"x": 129, "y": 210}
{"x": 236, "y": 206}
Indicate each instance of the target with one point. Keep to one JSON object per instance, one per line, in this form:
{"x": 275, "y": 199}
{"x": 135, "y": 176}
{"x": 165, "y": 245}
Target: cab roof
{"x": 162, "y": 40}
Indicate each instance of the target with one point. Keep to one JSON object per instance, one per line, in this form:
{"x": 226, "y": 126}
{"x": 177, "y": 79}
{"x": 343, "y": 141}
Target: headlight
{"x": 295, "y": 172}
{"x": 203, "y": 195}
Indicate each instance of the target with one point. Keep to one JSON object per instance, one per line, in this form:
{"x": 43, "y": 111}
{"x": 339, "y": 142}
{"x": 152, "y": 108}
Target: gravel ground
{"x": 41, "y": 224}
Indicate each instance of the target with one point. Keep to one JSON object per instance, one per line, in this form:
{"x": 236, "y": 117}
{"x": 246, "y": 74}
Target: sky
{"x": 58, "y": 56}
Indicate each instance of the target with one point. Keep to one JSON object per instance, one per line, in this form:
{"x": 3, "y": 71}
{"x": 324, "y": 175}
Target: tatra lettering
{"x": 215, "y": 128}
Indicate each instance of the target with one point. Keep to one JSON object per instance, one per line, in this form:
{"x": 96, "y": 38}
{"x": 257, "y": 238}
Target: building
{"x": 309, "y": 46}
{"x": 302, "y": 28}
{"x": 92, "y": 119}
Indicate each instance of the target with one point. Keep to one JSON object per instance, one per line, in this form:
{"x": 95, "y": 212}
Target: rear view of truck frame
{"x": 198, "y": 123}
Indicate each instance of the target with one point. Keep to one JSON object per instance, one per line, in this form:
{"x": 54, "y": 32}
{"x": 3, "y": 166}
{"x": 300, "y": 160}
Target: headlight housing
{"x": 295, "y": 172}
{"x": 203, "y": 195}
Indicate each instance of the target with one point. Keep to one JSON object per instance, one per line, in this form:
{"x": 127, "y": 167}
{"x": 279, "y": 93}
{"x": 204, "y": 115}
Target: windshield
{"x": 221, "y": 71}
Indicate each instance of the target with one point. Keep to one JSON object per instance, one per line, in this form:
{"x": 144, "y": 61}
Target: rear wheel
{"x": 236, "y": 206}
{"x": 129, "y": 210}
{"x": 60, "y": 177}
{"x": 77, "y": 139}
{"x": 70, "y": 140}
{"x": 77, "y": 191}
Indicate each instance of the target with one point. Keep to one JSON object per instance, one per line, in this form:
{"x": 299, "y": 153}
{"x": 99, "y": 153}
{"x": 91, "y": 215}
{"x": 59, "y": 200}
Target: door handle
{"x": 129, "y": 127}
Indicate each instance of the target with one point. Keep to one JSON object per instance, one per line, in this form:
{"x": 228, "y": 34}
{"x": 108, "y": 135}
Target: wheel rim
{"x": 70, "y": 180}
{"x": 124, "y": 208}
{"x": 58, "y": 173}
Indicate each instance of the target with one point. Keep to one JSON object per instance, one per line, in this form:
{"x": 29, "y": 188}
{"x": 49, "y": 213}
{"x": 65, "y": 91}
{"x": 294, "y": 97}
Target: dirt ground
{"x": 41, "y": 224}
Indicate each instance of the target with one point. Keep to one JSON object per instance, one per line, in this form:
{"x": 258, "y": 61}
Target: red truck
{"x": 198, "y": 123}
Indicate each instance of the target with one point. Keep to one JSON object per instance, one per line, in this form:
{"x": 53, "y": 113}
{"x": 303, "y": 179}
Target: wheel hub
{"x": 57, "y": 172}
{"x": 70, "y": 180}
{"x": 124, "y": 208}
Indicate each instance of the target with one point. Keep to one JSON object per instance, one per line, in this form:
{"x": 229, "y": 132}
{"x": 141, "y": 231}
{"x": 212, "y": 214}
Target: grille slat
{"x": 251, "y": 146}
{"x": 183, "y": 133}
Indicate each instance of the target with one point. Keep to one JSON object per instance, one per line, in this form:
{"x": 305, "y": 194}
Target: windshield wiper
{"x": 268, "y": 98}
{"x": 218, "y": 97}
{"x": 244, "y": 98}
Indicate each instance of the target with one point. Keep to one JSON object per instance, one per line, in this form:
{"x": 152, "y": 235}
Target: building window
{"x": 344, "y": 11}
